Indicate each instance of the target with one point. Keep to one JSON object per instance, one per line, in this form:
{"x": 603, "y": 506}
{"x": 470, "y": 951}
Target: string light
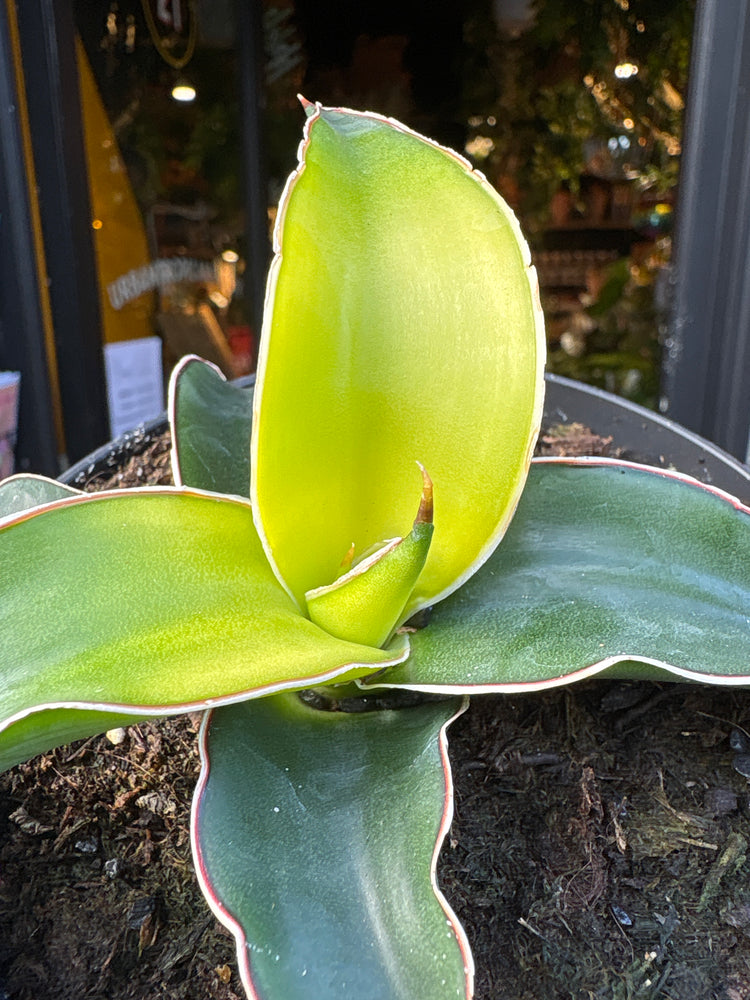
{"x": 624, "y": 70}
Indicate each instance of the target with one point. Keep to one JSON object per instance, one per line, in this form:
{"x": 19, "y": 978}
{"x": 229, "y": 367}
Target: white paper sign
{"x": 135, "y": 389}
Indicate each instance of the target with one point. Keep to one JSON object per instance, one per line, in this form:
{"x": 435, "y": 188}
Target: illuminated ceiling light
{"x": 230, "y": 256}
{"x": 183, "y": 91}
{"x": 624, "y": 70}
{"x": 628, "y": 123}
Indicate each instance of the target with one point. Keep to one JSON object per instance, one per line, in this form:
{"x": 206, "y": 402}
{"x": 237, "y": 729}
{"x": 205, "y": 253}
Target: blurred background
{"x": 153, "y": 139}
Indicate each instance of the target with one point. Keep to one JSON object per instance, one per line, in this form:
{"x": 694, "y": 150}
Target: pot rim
{"x": 653, "y": 438}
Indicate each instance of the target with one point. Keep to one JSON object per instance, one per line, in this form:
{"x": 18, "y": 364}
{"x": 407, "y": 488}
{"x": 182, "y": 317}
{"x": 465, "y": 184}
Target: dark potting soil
{"x": 599, "y": 848}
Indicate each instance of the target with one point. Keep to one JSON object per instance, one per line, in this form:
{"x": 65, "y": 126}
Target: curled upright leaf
{"x": 403, "y": 324}
{"x": 365, "y": 603}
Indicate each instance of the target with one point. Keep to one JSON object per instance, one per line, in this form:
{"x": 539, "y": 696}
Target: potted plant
{"x": 354, "y": 539}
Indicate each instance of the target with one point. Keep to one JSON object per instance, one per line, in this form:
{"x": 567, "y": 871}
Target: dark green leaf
{"x": 316, "y": 837}
{"x": 211, "y": 422}
{"x": 19, "y": 493}
{"x": 603, "y": 562}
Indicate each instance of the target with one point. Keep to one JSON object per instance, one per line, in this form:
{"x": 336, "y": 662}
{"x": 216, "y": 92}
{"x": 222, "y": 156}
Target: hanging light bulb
{"x": 183, "y": 91}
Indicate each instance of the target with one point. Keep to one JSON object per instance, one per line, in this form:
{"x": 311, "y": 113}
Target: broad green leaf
{"x": 315, "y": 837}
{"x": 603, "y": 563}
{"x": 154, "y": 600}
{"x": 22, "y": 492}
{"x": 39, "y": 732}
{"x": 211, "y": 421}
{"x": 402, "y": 325}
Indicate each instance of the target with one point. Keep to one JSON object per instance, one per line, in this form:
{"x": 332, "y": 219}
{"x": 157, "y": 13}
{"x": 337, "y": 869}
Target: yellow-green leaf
{"x": 403, "y": 324}
{"x": 149, "y": 600}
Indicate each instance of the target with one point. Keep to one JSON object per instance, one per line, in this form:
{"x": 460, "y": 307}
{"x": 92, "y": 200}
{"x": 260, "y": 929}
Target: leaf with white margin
{"x": 211, "y": 421}
{"x": 22, "y": 492}
{"x": 148, "y": 602}
{"x": 315, "y": 837}
{"x": 402, "y": 325}
{"x": 42, "y": 730}
{"x": 605, "y": 563}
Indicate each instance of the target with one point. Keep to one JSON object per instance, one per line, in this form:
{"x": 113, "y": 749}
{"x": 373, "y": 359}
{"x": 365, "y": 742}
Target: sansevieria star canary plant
{"x": 345, "y": 531}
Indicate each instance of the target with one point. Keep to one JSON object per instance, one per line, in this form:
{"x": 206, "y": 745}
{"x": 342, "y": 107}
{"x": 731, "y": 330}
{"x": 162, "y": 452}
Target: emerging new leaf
{"x": 365, "y": 604}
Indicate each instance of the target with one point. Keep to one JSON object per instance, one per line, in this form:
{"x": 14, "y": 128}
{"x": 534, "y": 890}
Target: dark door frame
{"x": 707, "y": 353}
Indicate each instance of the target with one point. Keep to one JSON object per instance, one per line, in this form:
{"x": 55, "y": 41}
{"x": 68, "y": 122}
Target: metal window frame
{"x": 707, "y": 356}
{"x": 48, "y": 48}
{"x": 25, "y": 331}
{"x": 63, "y": 381}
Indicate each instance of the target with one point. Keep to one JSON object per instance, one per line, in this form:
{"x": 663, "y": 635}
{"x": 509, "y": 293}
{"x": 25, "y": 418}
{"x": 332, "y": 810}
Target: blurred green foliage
{"x": 580, "y": 91}
{"x": 540, "y": 94}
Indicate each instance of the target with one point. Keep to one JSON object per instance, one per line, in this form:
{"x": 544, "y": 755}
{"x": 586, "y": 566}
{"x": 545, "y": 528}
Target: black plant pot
{"x": 644, "y": 436}
{"x": 639, "y": 435}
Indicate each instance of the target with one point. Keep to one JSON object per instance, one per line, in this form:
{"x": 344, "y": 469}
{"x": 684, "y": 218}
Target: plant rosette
{"x": 364, "y": 530}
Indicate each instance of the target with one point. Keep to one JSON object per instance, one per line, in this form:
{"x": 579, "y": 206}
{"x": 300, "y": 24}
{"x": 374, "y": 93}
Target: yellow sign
{"x": 119, "y": 234}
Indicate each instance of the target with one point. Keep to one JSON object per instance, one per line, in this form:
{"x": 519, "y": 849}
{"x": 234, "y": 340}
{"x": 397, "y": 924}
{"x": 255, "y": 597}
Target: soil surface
{"x": 599, "y": 849}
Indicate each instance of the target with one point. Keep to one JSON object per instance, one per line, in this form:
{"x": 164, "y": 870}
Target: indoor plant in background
{"x": 402, "y": 327}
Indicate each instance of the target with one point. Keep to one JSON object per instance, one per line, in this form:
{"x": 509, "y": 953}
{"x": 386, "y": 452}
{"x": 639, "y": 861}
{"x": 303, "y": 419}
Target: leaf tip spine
{"x": 310, "y": 108}
{"x": 426, "y": 504}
